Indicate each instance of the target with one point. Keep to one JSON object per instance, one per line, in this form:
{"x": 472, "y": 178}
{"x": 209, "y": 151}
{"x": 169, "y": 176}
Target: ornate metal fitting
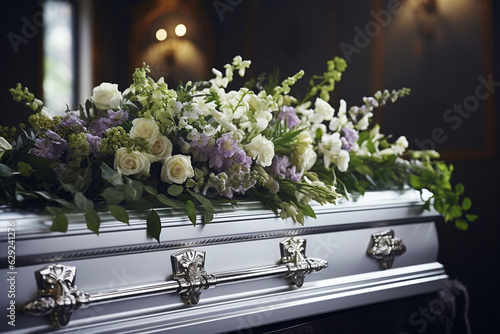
{"x": 384, "y": 246}
{"x": 57, "y": 294}
{"x": 293, "y": 255}
{"x": 189, "y": 272}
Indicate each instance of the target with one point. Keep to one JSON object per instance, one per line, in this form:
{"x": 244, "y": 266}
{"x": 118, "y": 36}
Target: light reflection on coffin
{"x": 378, "y": 248}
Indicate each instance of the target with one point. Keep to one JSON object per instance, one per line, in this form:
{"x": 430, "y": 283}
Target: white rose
{"x": 4, "y": 146}
{"x": 132, "y": 163}
{"x": 107, "y": 96}
{"x": 145, "y": 128}
{"x": 305, "y": 161}
{"x": 162, "y": 148}
{"x": 261, "y": 149}
{"x": 177, "y": 169}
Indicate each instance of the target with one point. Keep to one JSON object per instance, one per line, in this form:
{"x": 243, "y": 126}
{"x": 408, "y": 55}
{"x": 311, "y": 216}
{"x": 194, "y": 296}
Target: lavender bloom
{"x": 94, "y": 143}
{"x": 226, "y": 145}
{"x": 226, "y": 152}
{"x": 288, "y": 114}
{"x": 51, "y": 147}
{"x": 240, "y": 157}
{"x": 283, "y": 168}
{"x": 349, "y": 139}
{"x": 73, "y": 120}
{"x": 112, "y": 119}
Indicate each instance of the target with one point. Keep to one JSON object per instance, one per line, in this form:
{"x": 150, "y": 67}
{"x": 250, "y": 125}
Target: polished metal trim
{"x": 58, "y": 295}
{"x": 384, "y": 247}
{"x": 180, "y": 244}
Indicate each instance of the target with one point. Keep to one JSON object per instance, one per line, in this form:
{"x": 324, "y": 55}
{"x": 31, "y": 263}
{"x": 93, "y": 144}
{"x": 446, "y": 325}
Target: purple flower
{"x": 112, "y": 119}
{"x": 73, "y": 120}
{"x": 349, "y": 139}
{"x": 226, "y": 152}
{"x": 283, "y": 168}
{"x": 94, "y": 143}
{"x": 51, "y": 147}
{"x": 288, "y": 114}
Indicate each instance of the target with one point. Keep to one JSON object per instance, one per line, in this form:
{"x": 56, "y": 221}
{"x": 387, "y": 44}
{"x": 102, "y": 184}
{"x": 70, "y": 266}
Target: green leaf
{"x": 466, "y": 203}
{"x": 5, "y": 171}
{"x": 175, "y": 190}
{"x": 83, "y": 203}
{"x": 173, "y": 203}
{"x": 119, "y": 213}
{"x": 471, "y": 218}
{"x": 93, "y": 221}
{"x": 461, "y": 224}
{"x": 153, "y": 224}
{"x": 456, "y": 211}
{"x": 24, "y": 168}
{"x": 207, "y": 217}
{"x": 307, "y": 210}
{"x": 133, "y": 190}
{"x": 151, "y": 190}
{"x": 415, "y": 181}
{"x": 459, "y": 189}
{"x": 112, "y": 176}
{"x": 205, "y": 202}
{"x": 59, "y": 219}
{"x": 191, "y": 211}
{"x": 113, "y": 195}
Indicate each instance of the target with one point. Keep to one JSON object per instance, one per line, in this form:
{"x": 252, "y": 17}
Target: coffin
{"x": 245, "y": 269}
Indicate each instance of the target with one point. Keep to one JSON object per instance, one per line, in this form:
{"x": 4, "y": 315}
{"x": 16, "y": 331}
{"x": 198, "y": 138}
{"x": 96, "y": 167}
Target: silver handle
{"x": 58, "y": 296}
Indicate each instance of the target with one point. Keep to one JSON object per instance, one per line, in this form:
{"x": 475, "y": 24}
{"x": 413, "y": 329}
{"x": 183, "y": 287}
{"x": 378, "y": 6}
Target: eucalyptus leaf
{"x": 170, "y": 202}
{"x": 205, "y": 202}
{"x": 191, "y": 211}
{"x": 59, "y": 219}
{"x": 83, "y": 203}
{"x": 112, "y": 176}
{"x": 120, "y": 213}
{"x": 5, "y": 171}
{"x": 93, "y": 221}
{"x": 153, "y": 225}
{"x": 112, "y": 195}
{"x": 150, "y": 190}
{"x": 175, "y": 190}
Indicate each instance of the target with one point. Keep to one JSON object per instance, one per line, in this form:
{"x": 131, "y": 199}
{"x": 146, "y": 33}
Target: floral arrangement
{"x": 203, "y": 144}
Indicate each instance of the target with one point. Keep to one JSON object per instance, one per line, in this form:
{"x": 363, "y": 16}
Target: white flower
{"x": 162, "y": 148}
{"x": 305, "y": 161}
{"x": 4, "y": 146}
{"x": 364, "y": 122}
{"x": 341, "y": 120}
{"x": 303, "y": 142}
{"x": 107, "y": 96}
{"x": 343, "y": 160}
{"x": 219, "y": 81}
{"x": 323, "y": 111}
{"x": 132, "y": 163}
{"x": 400, "y": 145}
{"x": 145, "y": 128}
{"x": 261, "y": 149}
{"x": 177, "y": 169}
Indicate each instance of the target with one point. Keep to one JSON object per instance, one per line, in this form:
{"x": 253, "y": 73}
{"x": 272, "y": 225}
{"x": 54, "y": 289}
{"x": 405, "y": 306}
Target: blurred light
{"x": 161, "y": 34}
{"x": 180, "y": 30}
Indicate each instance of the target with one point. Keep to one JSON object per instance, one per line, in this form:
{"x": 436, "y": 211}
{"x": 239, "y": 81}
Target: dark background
{"x": 438, "y": 53}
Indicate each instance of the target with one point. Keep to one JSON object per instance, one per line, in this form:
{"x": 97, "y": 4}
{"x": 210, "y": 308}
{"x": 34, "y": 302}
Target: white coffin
{"x": 240, "y": 239}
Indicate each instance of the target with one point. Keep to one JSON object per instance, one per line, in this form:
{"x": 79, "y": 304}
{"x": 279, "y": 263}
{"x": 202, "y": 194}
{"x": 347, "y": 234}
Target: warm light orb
{"x": 161, "y": 34}
{"x": 180, "y": 30}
